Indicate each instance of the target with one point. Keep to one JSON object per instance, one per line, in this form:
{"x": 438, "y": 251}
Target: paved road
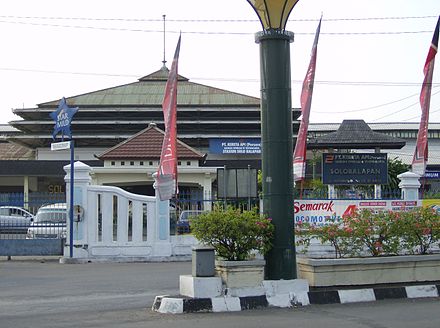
{"x": 47, "y": 294}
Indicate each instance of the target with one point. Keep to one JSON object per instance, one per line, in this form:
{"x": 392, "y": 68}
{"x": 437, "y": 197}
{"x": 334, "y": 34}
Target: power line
{"x": 65, "y": 72}
{"x": 418, "y": 116}
{"x": 246, "y": 80}
{"x": 400, "y": 110}
{"x": 369, "y": 108}
{"x": 207, "y": 32}
{"x": 215, "y": 20}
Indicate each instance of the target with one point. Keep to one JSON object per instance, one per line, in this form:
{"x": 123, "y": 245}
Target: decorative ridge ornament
{"x": 63, "y": 118}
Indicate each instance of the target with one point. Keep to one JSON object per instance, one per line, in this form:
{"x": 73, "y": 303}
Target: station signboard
{"x": 354, "y": 168}
{"x": 235, "y": 146}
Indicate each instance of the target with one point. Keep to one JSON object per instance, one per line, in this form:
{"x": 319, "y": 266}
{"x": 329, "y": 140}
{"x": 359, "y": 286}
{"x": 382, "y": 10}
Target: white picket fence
{"x": 120, "y": 226}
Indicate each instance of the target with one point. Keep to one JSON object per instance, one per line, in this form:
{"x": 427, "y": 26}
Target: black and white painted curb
{"x": 181, "y": 304}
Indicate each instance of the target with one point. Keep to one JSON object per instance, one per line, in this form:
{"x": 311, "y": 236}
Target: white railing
{"x": 122, "y": 218}
{"x": 117, "y": 225}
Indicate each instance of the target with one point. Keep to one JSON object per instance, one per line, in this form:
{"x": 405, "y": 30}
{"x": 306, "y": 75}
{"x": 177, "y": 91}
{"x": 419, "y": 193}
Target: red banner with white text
{"x": 420, "y": 157}
{"x": 299, "y": 154}
{"x": 166, "y": 180}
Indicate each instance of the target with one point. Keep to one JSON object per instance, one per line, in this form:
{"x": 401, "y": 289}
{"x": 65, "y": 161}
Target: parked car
{"x": 49, "y": 222}
{"x": 183, "y": 224}
{"x": 14, "y": 219}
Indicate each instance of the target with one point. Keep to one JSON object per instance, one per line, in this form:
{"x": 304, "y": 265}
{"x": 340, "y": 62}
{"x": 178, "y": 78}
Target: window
{"x": 122, "y": 163}
{"x": 131, "y": 163}
{"x": 188, "y": 163}
{"x": 150, "y": 163}
{"x": 112, "y": 163}
{"x": 141, "y": 163}
{"x": 179, "y": 163}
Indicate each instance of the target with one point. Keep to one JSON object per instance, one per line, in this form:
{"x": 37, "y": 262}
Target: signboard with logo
{"x": 63, "y": 118}
{"x": 235, "y": 146}
{"x": 354, "y": 168}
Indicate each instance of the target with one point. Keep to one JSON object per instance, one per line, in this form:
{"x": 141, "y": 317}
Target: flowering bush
{"x": 234, "y": 234}
{"x": 376, "y": 232}
{"x": 330, "y": 233}
{"x": 420, "y": 230}
{"x": 364, "y": 232}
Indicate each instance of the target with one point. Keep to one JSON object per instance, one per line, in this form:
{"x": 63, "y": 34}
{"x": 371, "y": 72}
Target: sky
{"x": 369, "y": 65}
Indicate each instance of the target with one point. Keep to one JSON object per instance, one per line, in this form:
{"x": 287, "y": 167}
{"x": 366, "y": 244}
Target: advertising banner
{"x": 324, "y": 211}
{"x": 433, "y": 203}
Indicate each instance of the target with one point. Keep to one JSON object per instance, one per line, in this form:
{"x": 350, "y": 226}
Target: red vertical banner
{"x": 420, "y": 158}
{"x": 299, "y": 154}
{"x": 166, "y": 181}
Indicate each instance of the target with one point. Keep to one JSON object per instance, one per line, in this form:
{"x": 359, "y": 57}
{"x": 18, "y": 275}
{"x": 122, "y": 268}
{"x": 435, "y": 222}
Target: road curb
{"x": 181, "y": 304}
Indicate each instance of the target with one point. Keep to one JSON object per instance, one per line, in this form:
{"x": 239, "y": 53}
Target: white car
{"x": 14, "y": 219}
{"x": 49, "y": 222}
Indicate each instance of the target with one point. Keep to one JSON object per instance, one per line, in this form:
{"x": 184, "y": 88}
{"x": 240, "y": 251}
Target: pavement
{"x": 41, "y": 292}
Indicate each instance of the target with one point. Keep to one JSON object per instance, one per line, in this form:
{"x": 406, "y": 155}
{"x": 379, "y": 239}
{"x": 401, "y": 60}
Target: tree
{"x": 395, "y": 167}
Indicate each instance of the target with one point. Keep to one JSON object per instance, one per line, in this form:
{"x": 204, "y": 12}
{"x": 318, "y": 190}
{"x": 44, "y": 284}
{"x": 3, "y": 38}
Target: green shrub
{"x": 234, "y": 234}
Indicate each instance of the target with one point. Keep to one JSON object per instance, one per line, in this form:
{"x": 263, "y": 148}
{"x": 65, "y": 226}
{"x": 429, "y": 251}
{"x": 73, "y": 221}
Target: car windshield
{"x": 14, "y": 211}
{"x": 186, "y": 215}
{"x": 51, "y": 217}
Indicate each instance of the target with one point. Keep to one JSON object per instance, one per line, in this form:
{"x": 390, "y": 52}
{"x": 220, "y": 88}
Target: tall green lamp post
{"x": 276, "y": 132}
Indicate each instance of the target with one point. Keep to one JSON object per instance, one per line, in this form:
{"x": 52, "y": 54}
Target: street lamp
{"x": 276, "y": 132}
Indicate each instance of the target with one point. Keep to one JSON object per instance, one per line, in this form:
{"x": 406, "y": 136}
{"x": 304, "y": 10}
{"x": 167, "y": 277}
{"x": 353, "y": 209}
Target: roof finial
{"x": 164, "y": 61}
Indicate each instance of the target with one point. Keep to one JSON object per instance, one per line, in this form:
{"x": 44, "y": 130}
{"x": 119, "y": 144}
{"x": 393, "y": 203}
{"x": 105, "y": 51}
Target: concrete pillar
{"x": 26, "y": 192}
{"x": 377, "y": 188}
{"x": 160, "y": 235}
{"x": 331, "y": 192}
{"x": 377, "y": 192}
{"x": 82, "y": 180}
{"x": 409, "y": 184}
{"x": 207, "y": 192}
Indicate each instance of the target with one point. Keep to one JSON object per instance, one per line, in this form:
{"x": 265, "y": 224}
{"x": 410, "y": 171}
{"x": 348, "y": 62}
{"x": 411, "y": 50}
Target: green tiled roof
{"x": 149, "y": 91}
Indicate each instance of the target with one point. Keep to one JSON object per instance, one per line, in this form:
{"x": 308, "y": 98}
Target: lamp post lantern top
{"x": 273, "y": 14}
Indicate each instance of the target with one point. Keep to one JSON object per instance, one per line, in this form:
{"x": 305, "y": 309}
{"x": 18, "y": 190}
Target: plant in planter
{"x": 235, "y": 235}
{"x": 420, "y": 230}
{"x": 366, "y": 233}
{"x": 368, "y": 238}
{"x": 373, "y": 233}
{"x": 332, "y": 233}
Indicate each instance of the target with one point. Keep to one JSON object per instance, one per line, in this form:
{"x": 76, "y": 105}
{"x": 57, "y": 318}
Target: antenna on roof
{"x": 164, "y": 61}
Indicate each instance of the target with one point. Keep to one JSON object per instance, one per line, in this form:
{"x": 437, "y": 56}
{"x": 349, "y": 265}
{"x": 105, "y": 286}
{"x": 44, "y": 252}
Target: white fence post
{"x": 409, "y": 183}
{"x": 161, "y": 233}
{"x": 82, "y": 180}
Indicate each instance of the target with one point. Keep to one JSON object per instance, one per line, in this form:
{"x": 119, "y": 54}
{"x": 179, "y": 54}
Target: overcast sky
{"x": 369, "y": 66}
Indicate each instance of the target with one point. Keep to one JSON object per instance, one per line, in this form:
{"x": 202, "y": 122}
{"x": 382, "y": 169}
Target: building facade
{"x": 221, "y": 125}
